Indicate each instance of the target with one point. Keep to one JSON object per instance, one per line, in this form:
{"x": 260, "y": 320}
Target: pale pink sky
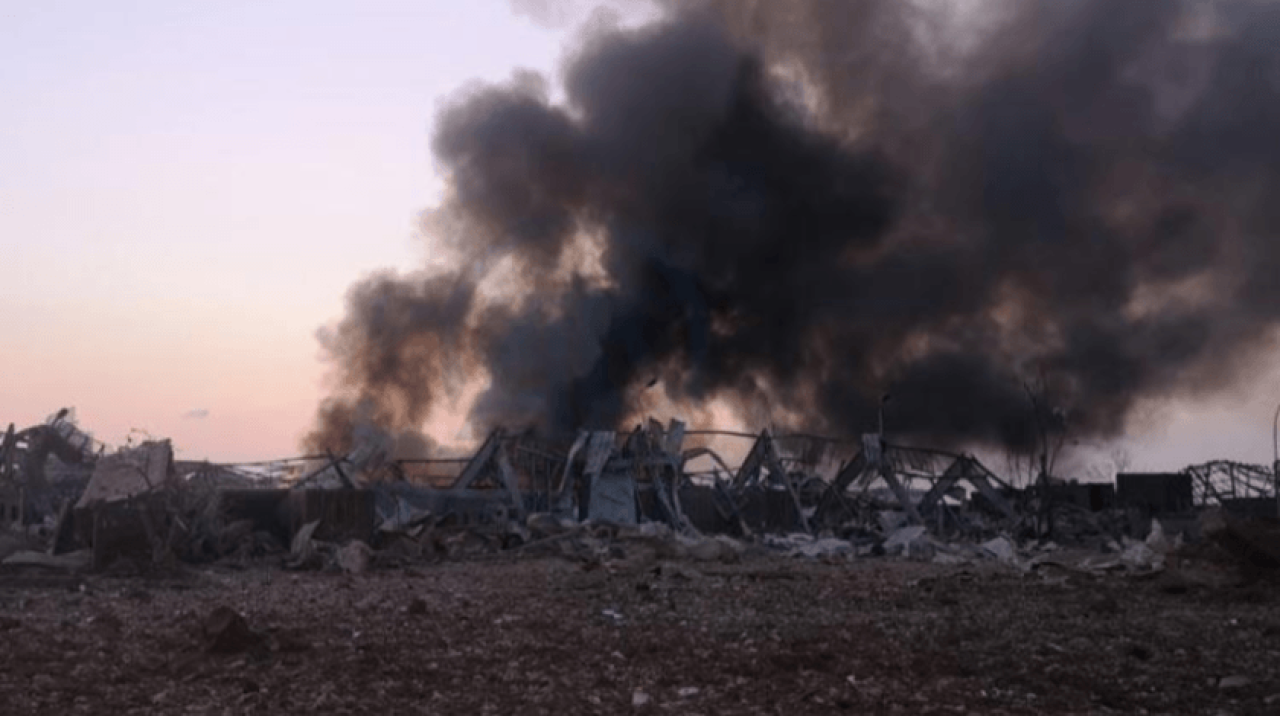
{"x": 189, "y": 188}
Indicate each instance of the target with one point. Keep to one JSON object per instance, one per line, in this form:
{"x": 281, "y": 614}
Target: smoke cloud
{"x": 799, "y": 207}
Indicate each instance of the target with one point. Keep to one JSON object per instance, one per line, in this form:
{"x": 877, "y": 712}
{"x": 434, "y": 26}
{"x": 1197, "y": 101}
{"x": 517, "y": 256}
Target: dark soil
{"x": 548, "y": 636}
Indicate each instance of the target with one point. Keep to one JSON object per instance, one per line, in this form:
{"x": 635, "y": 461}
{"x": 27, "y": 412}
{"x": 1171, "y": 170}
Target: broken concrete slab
{"x": 803, "y": 545}
{"x": 900, "y": 541}
{"x": 354, "y": 557}
{"x": 71, "y": 562}
{"x": 1000, "y": 548}
{"x": 128, "y": 473}
{"x": 226, "y": 631}
{"x": 825, "y": 547}
{"x": 712, "y": 549}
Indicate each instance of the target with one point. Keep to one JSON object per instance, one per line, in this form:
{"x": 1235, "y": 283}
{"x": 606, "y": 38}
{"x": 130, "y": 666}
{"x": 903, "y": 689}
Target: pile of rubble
{"x": 603, "y": 499}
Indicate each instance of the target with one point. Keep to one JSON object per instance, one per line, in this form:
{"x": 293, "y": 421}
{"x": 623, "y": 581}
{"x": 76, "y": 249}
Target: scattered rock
{"x": 107, "y": 622}
{"x": 233, "y": 535}
{"x": 713, "y": 549}
{"x": 825, "y": 547}
{"x": 639, "y": 698}
{"x": 354, "y": 557}
{"x": 891, "y": 520}
{"x": 675, "y": 570}
{"x": 1139, "y": 652}
{"x": 912, "y": 542}
{"x": 1140, "y": 556}
{"x": 1001, "y": 549}
{"x": 1156, "y": 539}
{"x": 227, "y": 632}
{"x": 1234, "y": 682}
{"x": 70, "y": 562}
{"x": 302, "y": 551}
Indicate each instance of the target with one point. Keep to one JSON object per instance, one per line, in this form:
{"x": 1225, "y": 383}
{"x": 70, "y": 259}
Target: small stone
{"x": 1234, "y": 682}
{"x": 227, "y": 632}
{"x": 354, "y": 558}
{"x": 1139, "y": 652}
{"x": 639, "y": 698}
{"x": 687, "y": 692}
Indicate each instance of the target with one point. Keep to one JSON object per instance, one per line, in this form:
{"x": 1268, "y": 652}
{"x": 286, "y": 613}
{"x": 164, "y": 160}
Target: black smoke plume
{"x": 797, "y": 207}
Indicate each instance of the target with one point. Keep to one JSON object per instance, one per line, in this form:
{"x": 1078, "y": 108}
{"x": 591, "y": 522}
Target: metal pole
{"x": 883, "y": 399}
{"x": 1275, "y": 457}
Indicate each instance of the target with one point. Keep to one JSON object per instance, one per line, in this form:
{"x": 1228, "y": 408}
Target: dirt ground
{"x": 550, "y": 636}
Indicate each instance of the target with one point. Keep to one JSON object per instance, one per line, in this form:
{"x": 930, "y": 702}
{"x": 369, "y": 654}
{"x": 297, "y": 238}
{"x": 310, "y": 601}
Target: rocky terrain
{"x": 548, "y": 635}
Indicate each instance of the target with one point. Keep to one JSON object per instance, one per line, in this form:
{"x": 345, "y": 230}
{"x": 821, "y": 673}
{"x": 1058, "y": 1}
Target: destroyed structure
{"x": 141, "y": 504}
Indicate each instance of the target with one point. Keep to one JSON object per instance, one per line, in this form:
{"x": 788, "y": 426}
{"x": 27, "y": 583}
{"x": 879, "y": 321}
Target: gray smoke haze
{"x": 806, "y": 205}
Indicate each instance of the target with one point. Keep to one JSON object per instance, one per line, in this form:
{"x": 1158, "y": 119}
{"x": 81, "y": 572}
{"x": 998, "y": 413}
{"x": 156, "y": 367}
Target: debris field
{"x": 610, "y": 576}
{"x": 545, "y": 634}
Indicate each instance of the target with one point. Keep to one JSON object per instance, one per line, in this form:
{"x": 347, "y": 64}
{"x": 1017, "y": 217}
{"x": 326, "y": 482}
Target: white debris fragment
{"x": 900, "y": 541}
{"x": 1000, "y": 548}
{"x": 1157, "y": 540}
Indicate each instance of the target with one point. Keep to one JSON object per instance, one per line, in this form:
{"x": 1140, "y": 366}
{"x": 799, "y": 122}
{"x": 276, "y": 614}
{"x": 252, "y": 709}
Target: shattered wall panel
{"x": 613, "y": 497}
{"x": 1156, "y": 493}
{"x": 704, "y": 511}
{"x": 343, "y": 514}
{"x": 129, "y": 472}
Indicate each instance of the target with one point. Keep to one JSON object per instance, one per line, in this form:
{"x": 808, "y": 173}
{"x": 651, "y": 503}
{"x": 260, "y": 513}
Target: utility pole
{"x": 1040, "y": 411}
{"x": 883, "y": 399}
{"x": 1275, "y": 457}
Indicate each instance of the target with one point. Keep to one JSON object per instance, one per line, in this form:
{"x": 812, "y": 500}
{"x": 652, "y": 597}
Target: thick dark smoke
{"x": 806, "y": 205}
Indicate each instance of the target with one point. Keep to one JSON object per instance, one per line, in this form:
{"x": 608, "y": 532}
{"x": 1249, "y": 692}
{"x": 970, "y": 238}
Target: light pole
{"x": 1275, "y": 457}
{"x": 883, "y": 399}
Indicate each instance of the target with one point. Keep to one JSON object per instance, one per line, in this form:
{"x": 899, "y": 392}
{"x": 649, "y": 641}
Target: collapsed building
{"x": 140, "y": 502}
{"x": 782, "y": 484}
{"x": 43, "y": 466}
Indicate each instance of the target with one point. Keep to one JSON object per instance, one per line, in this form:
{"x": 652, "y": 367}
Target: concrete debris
{"x": 355, "y": 557}
{"x": 302, "y": 551}
{"x": 676, "y": 571}
{"x": 129, "y": 473}
{"x": 616, "y": 499}
{"x": 712, "y": 549}
{"x": 72, "y": 562}
{"x": 1140, "y": 556}
{"x": 1001, "y": 549}
{"x": 226, "y": 631}
{"x": 1234, "y": 682}
{"x": 891, "y": 520}
{"x": 11, "y": 543}
{"x": 902, "y": 539}
{"x": 802, "y": 545}
{"x": 1156, "y": 539}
